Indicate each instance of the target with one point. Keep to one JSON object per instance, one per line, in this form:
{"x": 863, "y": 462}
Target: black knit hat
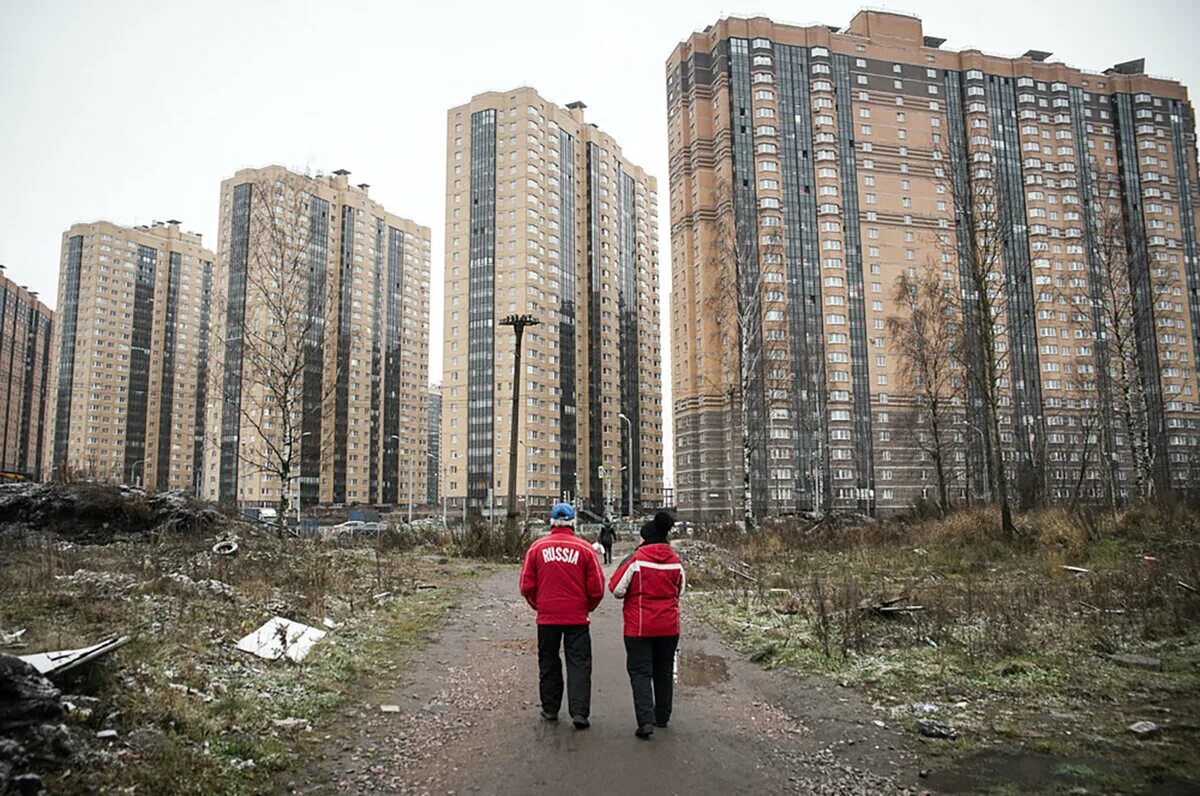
{"x": 657, "y": 529}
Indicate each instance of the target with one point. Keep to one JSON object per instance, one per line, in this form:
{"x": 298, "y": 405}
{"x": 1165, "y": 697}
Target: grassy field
{"x": 1008, "y": 647}
{"x": 193, "y": 714}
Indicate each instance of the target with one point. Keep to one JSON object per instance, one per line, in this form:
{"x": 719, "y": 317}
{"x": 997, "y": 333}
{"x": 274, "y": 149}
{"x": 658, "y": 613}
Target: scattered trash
{"x": 389, "y": 708}
{"x": 932, "y": 728}
{"x": 925, "y": 772}
{"x": 890, "y": 606}
{"x": 1130, "y": 661}
{"x": 292, "y": 724}
{"x": 1186, "y": 587}
{"x": 1144, "y": 728}
{"x": 214, "y": 586}
{"x": 106, "y": 734}
{"x": 879, "y": 724}
{"x": 10, "y": 638}
{"x": 1150, "y": 559}
{"x": 424, "y": 586}
{"x": 1076, "y": 570}
{"x": 53, "y": 663}
{"x": 227, "y": 548}
{"x": 1091, "y": 607}
{"x": 329, "y": 623}
{"x": 281, "y": 637}
{"x": 383, "y": 595}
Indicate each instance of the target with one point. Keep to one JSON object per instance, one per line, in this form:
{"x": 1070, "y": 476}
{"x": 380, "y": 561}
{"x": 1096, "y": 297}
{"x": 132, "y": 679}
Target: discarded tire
{"x": 225, "y": 548}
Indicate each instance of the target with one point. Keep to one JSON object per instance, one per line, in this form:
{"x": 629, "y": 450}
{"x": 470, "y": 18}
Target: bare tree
{"x": 1121, "y": 317}
{"x": 982, "y": 304}
{"x": 288, "y": 323}
{"x": 925, "y": 336}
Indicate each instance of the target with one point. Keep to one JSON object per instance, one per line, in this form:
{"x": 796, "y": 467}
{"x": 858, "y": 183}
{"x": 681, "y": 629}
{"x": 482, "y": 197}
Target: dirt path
{"x": 468, "y": 721}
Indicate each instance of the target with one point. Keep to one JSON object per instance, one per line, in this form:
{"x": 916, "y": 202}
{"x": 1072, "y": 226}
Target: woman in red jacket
{"x": 650, "y": 582}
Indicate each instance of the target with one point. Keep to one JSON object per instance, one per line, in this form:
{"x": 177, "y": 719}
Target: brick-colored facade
{"x": 832, "y": 157}
{"x": 25, "y": 332}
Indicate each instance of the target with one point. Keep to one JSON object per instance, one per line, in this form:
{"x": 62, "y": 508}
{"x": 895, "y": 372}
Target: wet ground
{"x": 467, "y": 722}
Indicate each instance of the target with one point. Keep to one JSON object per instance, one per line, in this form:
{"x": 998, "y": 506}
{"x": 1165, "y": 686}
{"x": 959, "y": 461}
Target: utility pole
{"x": 518, "y": 323}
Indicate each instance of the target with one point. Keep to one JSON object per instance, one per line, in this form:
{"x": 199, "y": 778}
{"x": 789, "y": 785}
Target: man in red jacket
{"x": 650, "y": 582}
{"x": 562, "y": 580}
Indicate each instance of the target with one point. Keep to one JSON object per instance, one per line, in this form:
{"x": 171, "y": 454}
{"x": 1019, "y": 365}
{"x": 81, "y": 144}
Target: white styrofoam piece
{"x": 281, "y": 637}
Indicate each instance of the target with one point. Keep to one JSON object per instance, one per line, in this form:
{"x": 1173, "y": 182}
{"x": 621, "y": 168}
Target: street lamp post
{"x": 518, "y": 323}
{"x": 441, "y": 485}
{"x": 629, "y": 463}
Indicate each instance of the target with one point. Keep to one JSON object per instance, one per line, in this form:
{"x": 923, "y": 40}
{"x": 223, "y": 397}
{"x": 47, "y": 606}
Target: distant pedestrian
{"x": 650, "y": 582}
{"x": 607, "y": 537}
{"x": 562, "y": 580}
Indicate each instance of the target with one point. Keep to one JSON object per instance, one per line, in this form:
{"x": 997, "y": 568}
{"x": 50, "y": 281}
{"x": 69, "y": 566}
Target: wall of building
{"x": 544, "y": 216}
{"x": 25, "y": 332}
{"x": 125, "y": 385}
{"x": 364, "y": 310}
{"x": 825, "y": 162}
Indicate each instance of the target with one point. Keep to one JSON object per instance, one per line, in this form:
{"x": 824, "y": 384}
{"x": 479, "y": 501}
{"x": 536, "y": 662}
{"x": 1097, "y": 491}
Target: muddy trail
{"x": 462, "y": 717}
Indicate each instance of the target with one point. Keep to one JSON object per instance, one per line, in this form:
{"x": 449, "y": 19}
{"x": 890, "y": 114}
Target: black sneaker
{"x": 644, "y": 731}
{"x": 660, "y": 724}
{"x": 548, "y": 716}
{"x": 581, "y": 722}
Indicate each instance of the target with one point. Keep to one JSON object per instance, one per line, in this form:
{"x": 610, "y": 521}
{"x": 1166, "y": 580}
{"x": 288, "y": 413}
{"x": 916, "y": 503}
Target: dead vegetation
{"x": 1027, "y": 641}
{"x": 180, "y": 709}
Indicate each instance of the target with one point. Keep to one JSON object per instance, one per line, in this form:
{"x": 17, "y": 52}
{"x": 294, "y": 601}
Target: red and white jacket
{"x": 651, "y": 582}
{"x": 561, "y": 578}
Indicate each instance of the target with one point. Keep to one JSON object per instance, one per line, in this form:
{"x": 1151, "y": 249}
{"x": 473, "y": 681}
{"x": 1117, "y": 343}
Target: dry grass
{"x": 191, "y": 710}
{"x": 1005, "y": 637}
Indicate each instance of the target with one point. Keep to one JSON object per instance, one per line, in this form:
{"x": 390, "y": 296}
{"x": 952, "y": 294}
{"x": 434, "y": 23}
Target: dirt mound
{"x": 95, "y": 513}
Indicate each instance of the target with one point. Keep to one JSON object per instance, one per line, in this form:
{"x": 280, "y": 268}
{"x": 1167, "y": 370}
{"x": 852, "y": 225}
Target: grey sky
{"x": 135, "y": 111}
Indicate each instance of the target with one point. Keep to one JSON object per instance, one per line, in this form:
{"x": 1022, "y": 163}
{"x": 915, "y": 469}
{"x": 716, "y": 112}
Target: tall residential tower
{"x": 545, "y": 216}
{"x": 323, "y": 345}
{"x": 812, "y": 168}
{"x": 25, "y": 329}
{"x": 127, "y": 395}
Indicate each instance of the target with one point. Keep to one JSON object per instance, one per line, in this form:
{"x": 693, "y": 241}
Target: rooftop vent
{"x": 174, "y": 221}
{"x": 364, "y": 185}
{"x": 933, "y": 41}
{"x": 341, "y": 173}
{"x": 1037, "y": 55}
{"x": 576, "y": 105}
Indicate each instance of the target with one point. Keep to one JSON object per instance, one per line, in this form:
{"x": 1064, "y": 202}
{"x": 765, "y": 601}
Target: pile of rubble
{"x": 32, "y": 733}
{"x": 96, "y": 513}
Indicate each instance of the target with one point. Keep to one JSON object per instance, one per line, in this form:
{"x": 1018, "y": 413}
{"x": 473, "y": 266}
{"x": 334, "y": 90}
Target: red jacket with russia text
{"x": 561, "y": 578}
{"x": 650, "y": 581}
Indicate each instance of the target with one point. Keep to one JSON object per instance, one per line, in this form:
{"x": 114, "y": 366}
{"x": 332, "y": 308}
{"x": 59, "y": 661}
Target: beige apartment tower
{"x": 323, "y": 323}
{"x": 546, "y": 217}
{"x": 126, "y": 393}
{"x": 812, "y": 168}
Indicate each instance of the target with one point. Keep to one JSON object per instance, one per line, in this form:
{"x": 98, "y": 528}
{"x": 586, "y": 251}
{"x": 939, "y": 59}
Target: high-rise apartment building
{"x": 812, "y": 168}
{"x": 434, "y": 491}
{"x": 545, "y": 216}
{"x": 25, "y": 329}
{"x": 127, "y": 391}
{"x": 323, "y": 330}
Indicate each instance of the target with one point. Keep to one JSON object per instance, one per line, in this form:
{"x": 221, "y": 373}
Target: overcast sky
{"x": 135, "y": 111}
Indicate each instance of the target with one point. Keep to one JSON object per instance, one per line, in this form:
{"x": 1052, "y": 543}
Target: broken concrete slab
{"x": 1128, "y": 660}
{"x": 931, "y": 728}
{"x": 280, "y": 638}
{"x": 60, "y": 661}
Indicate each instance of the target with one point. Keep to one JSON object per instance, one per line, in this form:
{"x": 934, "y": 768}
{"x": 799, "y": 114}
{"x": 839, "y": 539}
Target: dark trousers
{"x": 576, "y": 642}
{"x": 607, "y": 552}
{"x": 651, "y": 666}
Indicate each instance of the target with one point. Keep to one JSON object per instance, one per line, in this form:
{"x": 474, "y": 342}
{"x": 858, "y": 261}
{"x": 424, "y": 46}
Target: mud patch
{"x": 698, "y": 669}
{"x": 1030, "y": 772}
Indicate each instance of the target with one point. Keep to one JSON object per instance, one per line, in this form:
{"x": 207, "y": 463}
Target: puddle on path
{"x": 698, "y": 669}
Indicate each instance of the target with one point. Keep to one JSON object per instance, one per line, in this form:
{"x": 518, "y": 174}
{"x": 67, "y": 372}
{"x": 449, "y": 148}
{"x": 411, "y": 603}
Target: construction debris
{"x": 55, "y": 663}
{"x": 11, "y": 638}
{"x": 280, "y": 638}
{"x": 389, "y": 708}
{"x": 932, "y": 728}
{"x": 1076, "y": 570}
{"x": 226, "y": 548}
{"x": 1145, "y": 729}
{"x": 890, "y": 606}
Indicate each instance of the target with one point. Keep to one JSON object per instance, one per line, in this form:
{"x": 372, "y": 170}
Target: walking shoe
{"x": 644, "y": 731}
{"x": 581, "y": 722}
{"x": 548, "y": 716}
{"x": 660, "y": 724}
